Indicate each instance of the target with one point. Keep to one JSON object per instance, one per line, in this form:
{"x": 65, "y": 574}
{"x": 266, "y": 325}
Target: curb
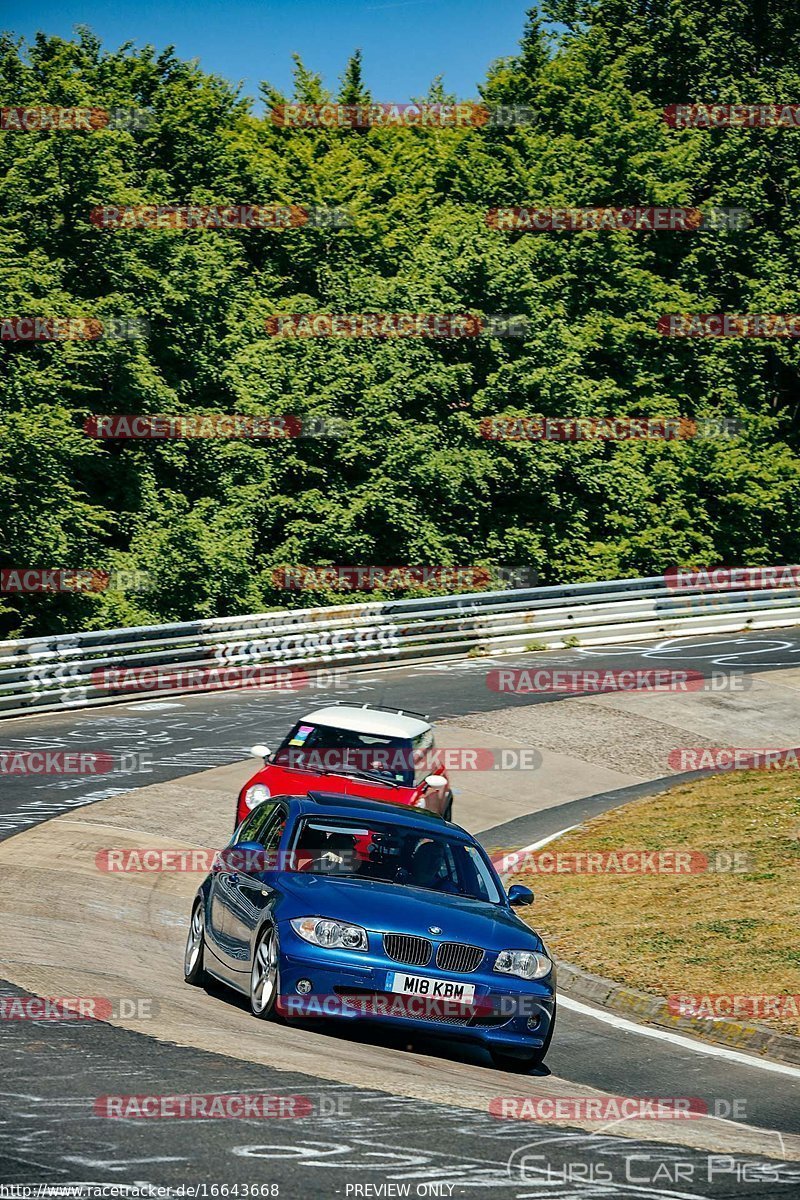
{"x": 648, "y": 1009}
{"x": 644, "y": 1007}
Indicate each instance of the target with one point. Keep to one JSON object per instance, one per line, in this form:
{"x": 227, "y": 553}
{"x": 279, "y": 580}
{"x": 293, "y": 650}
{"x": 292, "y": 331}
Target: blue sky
{"x": 405, "y": 42}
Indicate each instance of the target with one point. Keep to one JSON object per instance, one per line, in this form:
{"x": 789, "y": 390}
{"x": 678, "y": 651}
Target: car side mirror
{"x": 519, "y": 896}
{"x": 435, "y": 781}
{"x": 260, "y": 751}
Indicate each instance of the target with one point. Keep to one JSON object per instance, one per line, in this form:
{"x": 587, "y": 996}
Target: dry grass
{"x": 699, "y": 933}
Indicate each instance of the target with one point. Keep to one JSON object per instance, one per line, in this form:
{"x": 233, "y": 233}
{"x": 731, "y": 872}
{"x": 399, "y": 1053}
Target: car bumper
{"x": 504, "y": 1013}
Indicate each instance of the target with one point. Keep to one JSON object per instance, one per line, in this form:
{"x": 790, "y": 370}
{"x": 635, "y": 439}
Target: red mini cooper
{"x": 367, "y": 752}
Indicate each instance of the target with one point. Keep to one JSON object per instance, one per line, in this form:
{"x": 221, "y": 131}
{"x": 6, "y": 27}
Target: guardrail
{"x": 77, "y": 670}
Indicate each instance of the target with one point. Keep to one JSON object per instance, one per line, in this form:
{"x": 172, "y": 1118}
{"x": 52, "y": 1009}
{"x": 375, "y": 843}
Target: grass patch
{"x": 705, "y": 933}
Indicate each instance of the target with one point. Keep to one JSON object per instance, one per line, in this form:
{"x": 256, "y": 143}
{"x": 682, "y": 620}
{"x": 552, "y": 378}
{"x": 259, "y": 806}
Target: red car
{"x": 367, "y": 752}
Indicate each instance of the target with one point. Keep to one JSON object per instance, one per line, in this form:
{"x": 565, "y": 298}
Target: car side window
{"x": 423, "y": 757}
{"x": 476, "y": 878}
{"x": 253, "y": 824}
{"x": 271, "y": 831}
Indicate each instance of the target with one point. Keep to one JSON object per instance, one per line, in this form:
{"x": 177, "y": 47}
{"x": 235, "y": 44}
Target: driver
{"x": 339, "y": 855}
{"x": 429, "y": 869}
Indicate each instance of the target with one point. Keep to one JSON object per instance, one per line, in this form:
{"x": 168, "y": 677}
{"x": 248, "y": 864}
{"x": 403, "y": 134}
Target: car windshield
{"x": 405, "y": 856}
{"x": 313, "y": 747}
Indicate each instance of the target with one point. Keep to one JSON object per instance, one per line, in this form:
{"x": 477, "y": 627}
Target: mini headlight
{"x": 527, "y": 964}
{"x": 255, "y": 794}
{"x": 335, "y": 934}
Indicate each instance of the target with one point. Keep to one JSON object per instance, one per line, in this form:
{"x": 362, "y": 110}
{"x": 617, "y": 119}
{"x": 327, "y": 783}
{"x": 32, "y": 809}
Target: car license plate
{"x": 423, "y": 985}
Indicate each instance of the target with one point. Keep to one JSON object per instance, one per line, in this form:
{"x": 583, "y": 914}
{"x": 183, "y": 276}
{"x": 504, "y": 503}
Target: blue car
{"x": 335, "y": 908}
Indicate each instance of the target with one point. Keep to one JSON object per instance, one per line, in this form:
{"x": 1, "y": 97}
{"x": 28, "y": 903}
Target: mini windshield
{"x": 311, "y": 747}
{"x": 392, "y": 854}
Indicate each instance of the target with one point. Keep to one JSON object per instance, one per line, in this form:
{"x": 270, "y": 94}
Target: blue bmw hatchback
{"x": 329, "y": 907}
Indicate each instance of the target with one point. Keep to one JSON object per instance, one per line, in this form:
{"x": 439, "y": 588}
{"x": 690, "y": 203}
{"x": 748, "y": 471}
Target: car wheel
{"x": 193, "y": 969}
{"x": 448, "y": 808}
{"x": 264, "y": 976}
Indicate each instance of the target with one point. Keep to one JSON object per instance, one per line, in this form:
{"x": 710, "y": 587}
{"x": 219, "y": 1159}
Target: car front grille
{"x": 458, "y": 957}
{"x": 404, "y": 948}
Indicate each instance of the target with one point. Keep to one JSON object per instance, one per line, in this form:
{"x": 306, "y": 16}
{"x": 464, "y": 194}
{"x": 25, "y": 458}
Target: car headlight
{"x": 335, "y": 934}
{"x": 255, "y": 794}
{"x": 527, "y": 964}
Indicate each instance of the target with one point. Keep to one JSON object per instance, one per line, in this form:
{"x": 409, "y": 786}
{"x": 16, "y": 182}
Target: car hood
{"x": 292, "y": 781}
{"x": 398, "y": 908}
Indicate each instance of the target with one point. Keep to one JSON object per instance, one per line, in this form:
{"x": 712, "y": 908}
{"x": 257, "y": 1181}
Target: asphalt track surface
{"x": 50, "y": 1134}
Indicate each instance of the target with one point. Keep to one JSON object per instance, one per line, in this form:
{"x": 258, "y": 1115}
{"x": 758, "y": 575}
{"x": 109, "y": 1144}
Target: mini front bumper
{"x": 505, "y": 1013}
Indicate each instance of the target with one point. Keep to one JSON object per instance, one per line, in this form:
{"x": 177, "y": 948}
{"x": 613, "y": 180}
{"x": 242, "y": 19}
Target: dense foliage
{"x": 413, "y": 482}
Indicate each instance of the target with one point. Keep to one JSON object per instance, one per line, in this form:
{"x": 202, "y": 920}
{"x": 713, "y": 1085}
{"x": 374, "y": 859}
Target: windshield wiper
{"x": 359, "y": 773}
{"x": 345, "y": 769}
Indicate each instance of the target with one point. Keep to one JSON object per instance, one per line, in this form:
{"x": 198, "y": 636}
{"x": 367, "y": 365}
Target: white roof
{"x": 368, "y": 720}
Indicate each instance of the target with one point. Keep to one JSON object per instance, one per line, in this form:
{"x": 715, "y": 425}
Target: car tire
{"x": 265, "y": 975}
{"x": 507, "y": 1062}
{"x": 193, "y": 968}
{"x": 448, "y": 808}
